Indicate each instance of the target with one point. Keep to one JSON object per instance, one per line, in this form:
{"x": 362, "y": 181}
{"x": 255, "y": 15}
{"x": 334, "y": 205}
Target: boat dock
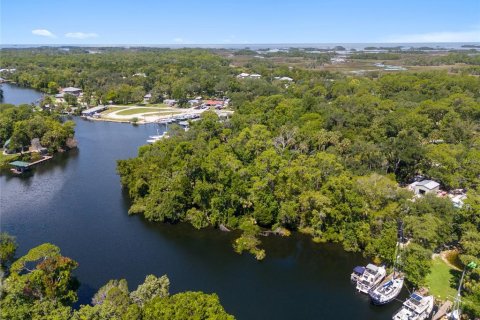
{"x": 22, "y": 166}
{"x": 442, "y": 311}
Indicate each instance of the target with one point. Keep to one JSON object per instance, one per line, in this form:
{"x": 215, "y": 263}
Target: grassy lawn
{"x": 136, "y": 111}
{"x": 442, "y": 280}
{"x": 6, "y": 159}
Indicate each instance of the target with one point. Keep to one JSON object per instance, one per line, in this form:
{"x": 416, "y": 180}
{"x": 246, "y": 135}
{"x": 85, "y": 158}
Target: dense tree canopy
{"x": 23, "y": 123}
{"x": 327, "y": 156}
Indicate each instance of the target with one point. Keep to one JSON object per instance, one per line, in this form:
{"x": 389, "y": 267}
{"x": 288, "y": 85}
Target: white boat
{"x": 370, "y": 278}
{"x": 417, "y": 307}
{"x": 357, "y": 273}
{"x": 158, "y": 137}
{"x": 387, "y": 290}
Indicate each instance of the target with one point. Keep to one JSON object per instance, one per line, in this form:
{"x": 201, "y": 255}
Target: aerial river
{"x": 76, "y": 202}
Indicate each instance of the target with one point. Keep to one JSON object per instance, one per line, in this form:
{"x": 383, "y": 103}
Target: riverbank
{"x": 80, "y": 206}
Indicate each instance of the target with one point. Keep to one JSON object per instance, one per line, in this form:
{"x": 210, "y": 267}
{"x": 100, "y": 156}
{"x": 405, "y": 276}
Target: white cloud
{"x": 43, "y": 33}
{"x": 178, "y": 40}
{"x": 81, "y": 35}
{"x": 444, "y": 36}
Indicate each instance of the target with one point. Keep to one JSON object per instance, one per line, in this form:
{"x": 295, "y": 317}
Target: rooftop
{"x": 21, "y": 164}
{"x": 429, "y": 184}
{"x": 71, "y": 89}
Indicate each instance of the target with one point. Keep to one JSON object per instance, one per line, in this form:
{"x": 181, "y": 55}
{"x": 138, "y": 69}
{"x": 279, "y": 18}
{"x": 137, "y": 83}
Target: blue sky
{"x": 241, "y": 21}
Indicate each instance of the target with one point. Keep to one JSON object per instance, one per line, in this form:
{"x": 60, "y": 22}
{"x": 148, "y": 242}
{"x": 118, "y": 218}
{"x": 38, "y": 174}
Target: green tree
{"x": 417, "y": 263}
{"x": 8, "y": 247}
{"x": 187, "y": 305}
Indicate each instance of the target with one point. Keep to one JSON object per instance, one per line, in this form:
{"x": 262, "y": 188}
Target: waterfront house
{"x": 218, "y": 104}
{"x": 19, "y": 166}
{"x": 93, "y": 111}
{"x": 71, "y": 90}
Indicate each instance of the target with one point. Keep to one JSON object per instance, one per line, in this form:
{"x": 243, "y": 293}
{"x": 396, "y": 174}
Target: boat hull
{"x": 380, "y": 303}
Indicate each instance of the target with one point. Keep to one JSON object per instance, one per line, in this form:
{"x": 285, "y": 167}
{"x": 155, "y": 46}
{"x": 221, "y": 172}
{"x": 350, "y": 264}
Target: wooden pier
{"x": 442, "y": 311}
{"x": 20, "y": 167}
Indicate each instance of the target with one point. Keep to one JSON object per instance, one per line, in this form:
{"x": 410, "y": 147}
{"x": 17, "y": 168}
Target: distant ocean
{"x": 258, "y": 46}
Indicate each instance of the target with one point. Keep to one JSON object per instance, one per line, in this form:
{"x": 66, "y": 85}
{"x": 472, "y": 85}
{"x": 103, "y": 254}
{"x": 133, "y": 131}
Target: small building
{"x": 424, "y": 187}
{"x": 218, "y": 104}
{"x": 147, "y": 97}
{"x": 71, "y": 90}
{"x": 457, "y": 199}
{"x": 92, "y": 111}
{"x": 194, "y": 102}
{"x": 243, "y": 75}
{"x": 19, "y": 166}
{"x": 284, "y": 79}
{"x": 170, "y": 102}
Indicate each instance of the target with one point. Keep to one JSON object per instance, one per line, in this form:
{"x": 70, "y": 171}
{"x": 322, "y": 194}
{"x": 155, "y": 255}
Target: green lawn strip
{"x": 442, "y": 280}
{"x": 5, "y": 159}
{"x": 136, "y": 111}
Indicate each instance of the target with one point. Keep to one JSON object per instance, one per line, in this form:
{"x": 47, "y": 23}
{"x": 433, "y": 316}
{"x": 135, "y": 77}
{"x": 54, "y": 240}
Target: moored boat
{"x": 387, "y": 290}
{"x": 370, "y": 278}
{"x": 417, "y": 307}
{"x": 357, "y": 273}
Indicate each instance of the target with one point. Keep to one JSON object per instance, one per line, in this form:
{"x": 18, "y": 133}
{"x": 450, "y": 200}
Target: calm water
{"x": 76, "y": 202}
{"x": 17, "y": 95}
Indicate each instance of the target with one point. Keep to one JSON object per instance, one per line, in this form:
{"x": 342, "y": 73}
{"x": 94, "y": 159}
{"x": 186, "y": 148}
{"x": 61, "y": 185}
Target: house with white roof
{"x": 72, "y": 90}
{"x": 284, "y": 79}
{"x": 425, "y": 186}
{"x": 243, "y": 75}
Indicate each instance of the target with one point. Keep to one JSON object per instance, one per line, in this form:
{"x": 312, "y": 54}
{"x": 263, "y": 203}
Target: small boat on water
{"x": 417, "y": 307}
{"x": 370, "y": 278}
{"x": 158, "y": 137}
{"x": 387, "y": 290}
{"x": 357, "y": 273}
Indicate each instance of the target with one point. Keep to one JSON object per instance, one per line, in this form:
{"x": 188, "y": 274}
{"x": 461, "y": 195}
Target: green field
{"x": 136, "y": 111}
{"x": 442, "y": 279}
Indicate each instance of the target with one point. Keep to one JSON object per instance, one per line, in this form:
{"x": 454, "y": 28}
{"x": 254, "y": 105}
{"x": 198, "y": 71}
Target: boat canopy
{"x": 359, "y": 269}
{"x": 372, "y": 267}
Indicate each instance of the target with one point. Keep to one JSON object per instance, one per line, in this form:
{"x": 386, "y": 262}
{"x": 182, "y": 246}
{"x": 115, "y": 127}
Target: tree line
{"x": 21, "y": 124}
